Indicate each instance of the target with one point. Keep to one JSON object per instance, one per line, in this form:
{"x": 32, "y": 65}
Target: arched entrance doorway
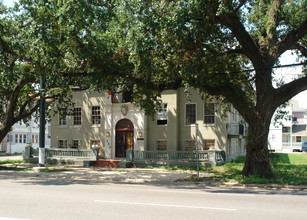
{"x": 124, "y": 137}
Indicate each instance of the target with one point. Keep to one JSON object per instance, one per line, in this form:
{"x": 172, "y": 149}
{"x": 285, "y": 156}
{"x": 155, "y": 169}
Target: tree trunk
{"x": 257, "y": 155}
{"x": 4, "y": 130}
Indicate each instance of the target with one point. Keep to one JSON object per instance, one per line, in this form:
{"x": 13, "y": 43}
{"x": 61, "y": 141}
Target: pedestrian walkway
{"x": 95, "y": 174}
{"x": 65, "y": 175}
{"x": 15, "y": 158}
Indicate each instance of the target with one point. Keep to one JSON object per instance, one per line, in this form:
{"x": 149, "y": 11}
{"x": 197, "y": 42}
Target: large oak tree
{"x": 208, "y": 44}
{"x": 224, "y": 48}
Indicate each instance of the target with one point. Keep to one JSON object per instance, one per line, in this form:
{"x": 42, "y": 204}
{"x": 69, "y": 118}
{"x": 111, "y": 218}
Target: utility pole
{"x": 41, "y": 157}
{"x": 197, "y": 155}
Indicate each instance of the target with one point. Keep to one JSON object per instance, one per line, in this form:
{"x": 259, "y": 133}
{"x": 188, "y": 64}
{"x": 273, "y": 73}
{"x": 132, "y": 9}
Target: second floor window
{"x": 209, "y": 113}
{"x": 162, "y": 115}
{"x": 96, "y": 115}
{"x": 62, "y": 120}
{"x": 190, "y": 114}
{"x": 77, "y": 116}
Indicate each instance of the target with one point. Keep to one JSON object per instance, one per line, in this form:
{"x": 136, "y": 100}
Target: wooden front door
{"x": 124, "y": 137}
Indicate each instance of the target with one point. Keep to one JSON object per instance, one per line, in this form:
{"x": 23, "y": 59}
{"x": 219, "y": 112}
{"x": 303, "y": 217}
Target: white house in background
{"x": 287, "y": 134}
{"x": 21, "y": 135}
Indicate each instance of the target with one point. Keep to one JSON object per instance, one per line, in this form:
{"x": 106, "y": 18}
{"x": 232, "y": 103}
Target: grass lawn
{"x": 288, "y": 168}
{"x": 6, "y": 155}
{"x": 11, "y": 161}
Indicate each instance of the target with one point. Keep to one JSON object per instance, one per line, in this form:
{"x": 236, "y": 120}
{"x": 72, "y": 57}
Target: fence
{"x": 211, "y": 157}
{"x": 89, "y": 154}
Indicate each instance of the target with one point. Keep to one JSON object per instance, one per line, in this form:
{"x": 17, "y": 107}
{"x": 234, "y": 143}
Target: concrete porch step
{"x": 107, "y": 163}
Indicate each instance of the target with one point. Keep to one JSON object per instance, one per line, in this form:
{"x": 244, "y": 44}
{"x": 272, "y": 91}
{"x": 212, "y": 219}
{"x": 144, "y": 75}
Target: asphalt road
{"x": 21, "y": 198}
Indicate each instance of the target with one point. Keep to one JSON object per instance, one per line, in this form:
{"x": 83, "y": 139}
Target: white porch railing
{"x": 293, "y": 146}
{"x": 170, "y": 155}
{"x": 210, "y": 156}
{"x": 91, "y": 154}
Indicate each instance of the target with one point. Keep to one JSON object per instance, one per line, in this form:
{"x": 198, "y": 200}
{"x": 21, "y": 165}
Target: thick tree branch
{"x": 25, "y": 104}
{"x": 236, "y": 51}
{"x": 232, "y": 93}
{"x": 273, "y": 22}
{"x": 249, "y": 47}
{"x": 287, "y": 91}
{"x": 291, "y": 38}
{"x": 11, "y": 105}
{"x": 300, "y": 48}
{"x": 26, "y": 114}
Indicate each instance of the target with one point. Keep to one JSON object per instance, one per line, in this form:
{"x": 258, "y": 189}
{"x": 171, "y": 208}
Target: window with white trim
{"x": 162, "y": 115}
{"x": 77, "y": 116}
{"x": 298, "y": 139}
{"x": 76, "y": 143}
{"x": 62, "y": 144}
{"x": 96, "y": 115}
{"x": 190, "y": 114}
{"x": 209, "y": 113}
{"x": 34, "y": 139}
{"x": 62, "y": 120}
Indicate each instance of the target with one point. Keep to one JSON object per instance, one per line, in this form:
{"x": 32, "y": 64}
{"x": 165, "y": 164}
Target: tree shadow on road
{"x": 146, "y": 178}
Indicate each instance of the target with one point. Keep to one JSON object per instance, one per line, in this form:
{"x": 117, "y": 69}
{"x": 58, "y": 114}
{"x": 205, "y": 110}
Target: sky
{"x": 289, "y": 73}
{"x": 286, "y": 74}
{"x": 9, "y": 3}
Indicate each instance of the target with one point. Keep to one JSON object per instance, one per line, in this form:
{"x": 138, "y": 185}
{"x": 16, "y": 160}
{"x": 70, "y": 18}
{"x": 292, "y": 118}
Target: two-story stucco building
{"x": 114, "y": 124}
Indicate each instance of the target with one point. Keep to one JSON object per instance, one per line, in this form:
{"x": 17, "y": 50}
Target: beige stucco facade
{"x": 86, "y": 131}
{"x": 176, "y": 132}
{"x": 146, "y": 133}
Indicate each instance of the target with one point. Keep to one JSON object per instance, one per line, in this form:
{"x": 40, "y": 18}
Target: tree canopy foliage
{"x": 213, "y": 45}
{"x": 225, "y": 48}
{"x": 59, "y": 39}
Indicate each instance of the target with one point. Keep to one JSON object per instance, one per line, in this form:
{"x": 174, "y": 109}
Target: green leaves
{"x": 72, "y": 42}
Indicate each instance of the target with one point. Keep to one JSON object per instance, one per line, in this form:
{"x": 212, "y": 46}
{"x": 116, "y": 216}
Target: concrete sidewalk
{"x": 17, "y": 157}
{"x": 116, "y": 175}
{"x": 69, "y": 174}
{"x": 62, "y": 175}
